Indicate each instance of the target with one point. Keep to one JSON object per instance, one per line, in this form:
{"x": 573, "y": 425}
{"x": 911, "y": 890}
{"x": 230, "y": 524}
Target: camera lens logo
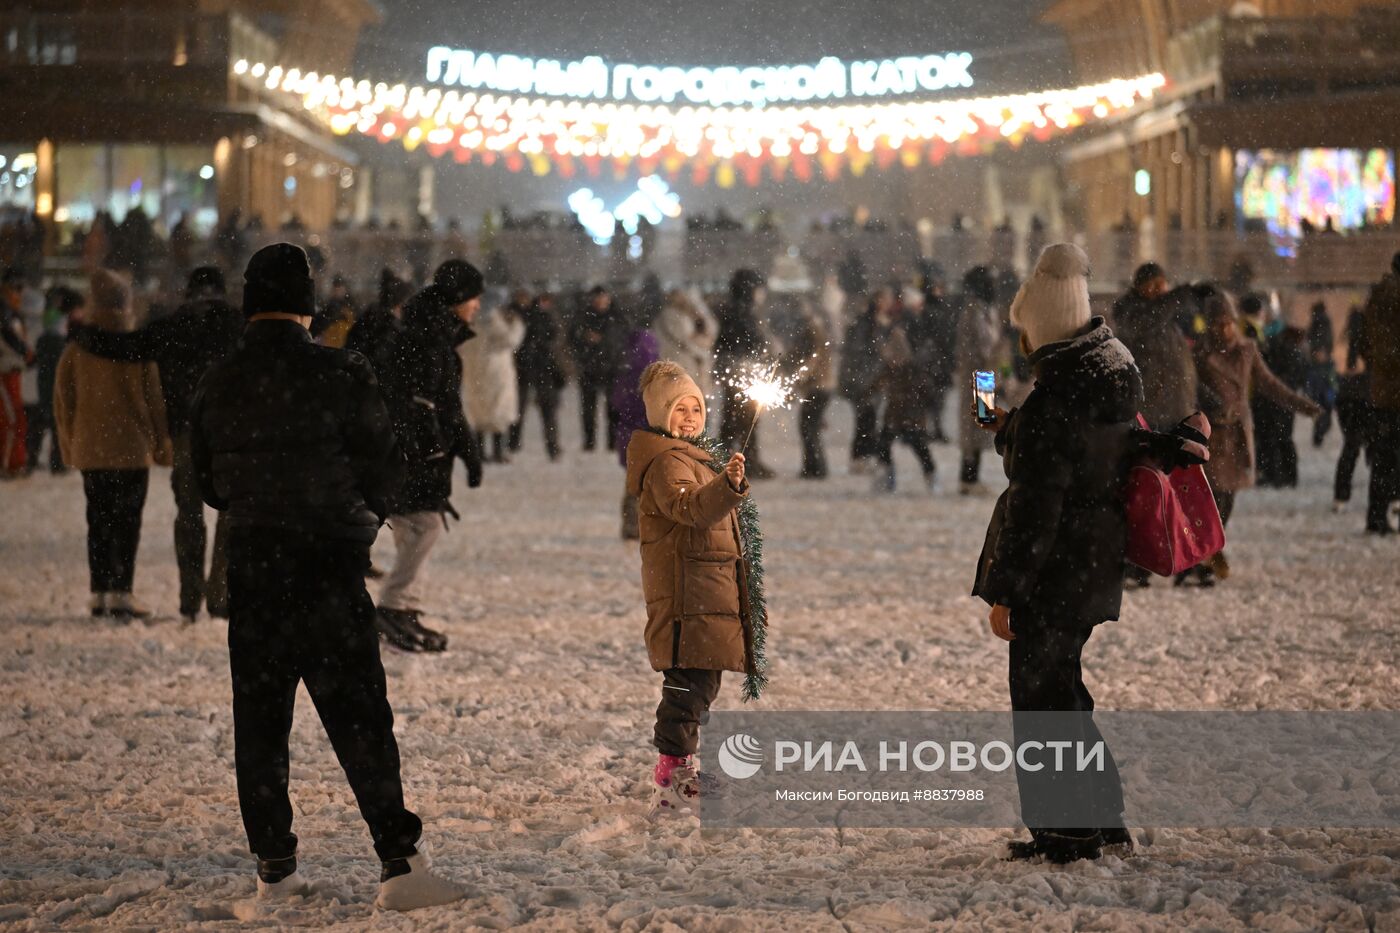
{"x": 740, "y": 756}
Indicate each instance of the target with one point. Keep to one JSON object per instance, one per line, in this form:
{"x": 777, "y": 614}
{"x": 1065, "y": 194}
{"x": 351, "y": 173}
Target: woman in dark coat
{"x": 1051, "y": 565}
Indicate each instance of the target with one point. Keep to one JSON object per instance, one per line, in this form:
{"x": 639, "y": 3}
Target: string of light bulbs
{"x": 724, "y": 143}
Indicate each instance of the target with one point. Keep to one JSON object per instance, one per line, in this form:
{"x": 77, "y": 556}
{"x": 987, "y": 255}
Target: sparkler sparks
{"x": 767, "y": 387}
{"x": 764, "y": 385}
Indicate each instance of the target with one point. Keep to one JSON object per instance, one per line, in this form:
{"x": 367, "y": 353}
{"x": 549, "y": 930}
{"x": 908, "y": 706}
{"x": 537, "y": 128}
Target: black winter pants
{"x": 1353, "y": 415}
{"x": 191, "y": 538}
{"x": 865, "y": 441}
{"x": 1385, "y": 467}
{"x": 590, "y": 387}
{"x": 1224, "y": 504}
{"x": 1045, "y": 677}
{"x": 299, "y": 612}
{"x": 546, "y": 399}
{"x": 917, "y": 441}
{"x": 40, "y": 422}
{"x": 115, "y": 499}
{"x": 686, "y": 695}
{"x": 811, "y": 419}
{"x": 936, "y": 395}
{"x": 970, "y": 469}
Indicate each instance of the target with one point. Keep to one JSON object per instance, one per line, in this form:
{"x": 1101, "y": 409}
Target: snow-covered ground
{"x": 526, "y": 746}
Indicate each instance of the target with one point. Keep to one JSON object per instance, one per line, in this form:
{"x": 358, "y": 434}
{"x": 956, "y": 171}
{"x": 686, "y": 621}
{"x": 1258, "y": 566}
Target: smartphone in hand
{"x": 984, "y": 391}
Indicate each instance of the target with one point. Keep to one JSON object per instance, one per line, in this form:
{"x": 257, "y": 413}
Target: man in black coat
{"x": 203, "y": 330}
{"x": 292, "y": 442}
{"x": 537, "y": 370}
{"x": 423, "y": 388}
{"x": 1051, "y": 567}
{"x": 596, "y": 339}
{"x": 376, "y": 333}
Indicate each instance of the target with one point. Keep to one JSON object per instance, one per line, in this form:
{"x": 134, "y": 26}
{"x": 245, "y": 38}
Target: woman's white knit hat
{"x": 1053, "y": 304}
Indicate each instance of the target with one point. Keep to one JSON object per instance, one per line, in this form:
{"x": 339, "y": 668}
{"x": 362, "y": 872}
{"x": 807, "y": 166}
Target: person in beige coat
{"x": 1229, "y": 369}
{"x": 110, "y": 421}
{"x": 693, "y": 572}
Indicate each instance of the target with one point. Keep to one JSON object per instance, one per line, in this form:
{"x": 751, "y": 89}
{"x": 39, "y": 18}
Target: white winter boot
{"x": 409, "y": 883}
{"x": 288, "y": 885}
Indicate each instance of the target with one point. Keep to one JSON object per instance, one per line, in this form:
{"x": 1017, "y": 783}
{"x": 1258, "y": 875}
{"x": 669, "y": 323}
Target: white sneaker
{"x": 418, "y": 888}
{"x": 294, "y": 885}
{"x": 681, "y": 794}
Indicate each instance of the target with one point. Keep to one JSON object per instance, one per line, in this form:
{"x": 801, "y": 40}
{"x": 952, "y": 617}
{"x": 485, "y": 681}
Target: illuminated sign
{"x": 754, "y": 86}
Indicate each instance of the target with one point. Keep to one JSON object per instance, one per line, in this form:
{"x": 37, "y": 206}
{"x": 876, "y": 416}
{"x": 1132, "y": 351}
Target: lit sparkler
{"x": 767, "y": 387}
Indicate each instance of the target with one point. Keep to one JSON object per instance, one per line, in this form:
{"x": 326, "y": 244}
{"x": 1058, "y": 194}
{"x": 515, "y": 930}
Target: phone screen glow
{"x": 984, "y": 387}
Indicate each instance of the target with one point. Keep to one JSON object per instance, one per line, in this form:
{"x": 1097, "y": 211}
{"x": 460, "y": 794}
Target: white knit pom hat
{"x": 1053, "y": 304}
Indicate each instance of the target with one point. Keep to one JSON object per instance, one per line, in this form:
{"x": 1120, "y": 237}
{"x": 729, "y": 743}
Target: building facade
{"x": 119, "y": 104}
{"x": 1279, "y": 117}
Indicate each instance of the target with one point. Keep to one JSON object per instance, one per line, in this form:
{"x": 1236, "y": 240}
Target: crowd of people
{"x": 892, "y": 352}
{"x": 306, "y": 450}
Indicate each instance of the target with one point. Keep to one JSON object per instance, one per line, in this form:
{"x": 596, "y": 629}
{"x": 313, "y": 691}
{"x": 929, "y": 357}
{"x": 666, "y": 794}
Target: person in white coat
{"x": 489, "y": 386}
{"x": 685, "y": 334}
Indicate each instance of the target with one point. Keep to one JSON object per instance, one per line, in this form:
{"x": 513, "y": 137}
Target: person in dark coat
{"x": 741, "y": 341}
{"x": 1380, "y": 348}
{"x": 860, "y": 367}
{"x": 1322, "y": 371}
{"x": 901, "y": 385}
{"x": 538, "y": 372}
{"x": 423, "y": 386}
{"x": 939, "y": 346}
{"x": 376, "y": 333}
{"x": 61, "y": 302}
{"x": 596, "y": 339}
{"x": 1353, "y": 411}
{"x": 183, "y": 345}
{"x": 1051, "y": 565}
{"x": 1149, "y": 322}
{"x": 643, "y": 349}
{"x": 1276, "y": 456}
{"x": 293, "y": 443}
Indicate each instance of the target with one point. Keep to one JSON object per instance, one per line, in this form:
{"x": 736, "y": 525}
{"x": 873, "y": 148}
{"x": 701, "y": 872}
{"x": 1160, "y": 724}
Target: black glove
{"x": 1185, "y": 445}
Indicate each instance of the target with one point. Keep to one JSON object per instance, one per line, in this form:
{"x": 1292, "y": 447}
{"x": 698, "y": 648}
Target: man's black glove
{"x": 1185, "y": 445}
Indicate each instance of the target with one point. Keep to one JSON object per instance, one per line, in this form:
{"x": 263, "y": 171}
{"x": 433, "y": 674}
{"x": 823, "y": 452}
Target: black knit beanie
{"x": 278, "y": 281}
{"x": 458, "y": 280}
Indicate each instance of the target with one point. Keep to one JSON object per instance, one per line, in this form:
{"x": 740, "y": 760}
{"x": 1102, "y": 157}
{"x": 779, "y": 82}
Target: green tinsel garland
{"x": 752, "y": 538}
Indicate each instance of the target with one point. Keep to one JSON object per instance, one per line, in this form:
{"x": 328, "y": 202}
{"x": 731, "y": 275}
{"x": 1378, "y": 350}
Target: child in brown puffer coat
{"x": 693, "y": 573}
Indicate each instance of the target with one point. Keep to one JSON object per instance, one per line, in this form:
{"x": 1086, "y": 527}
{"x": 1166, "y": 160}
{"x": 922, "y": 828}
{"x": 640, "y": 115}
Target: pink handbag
{"x": 1173, "y": 523}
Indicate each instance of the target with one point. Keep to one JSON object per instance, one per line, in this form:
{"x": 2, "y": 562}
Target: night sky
{"x": 1014, "y": 51}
